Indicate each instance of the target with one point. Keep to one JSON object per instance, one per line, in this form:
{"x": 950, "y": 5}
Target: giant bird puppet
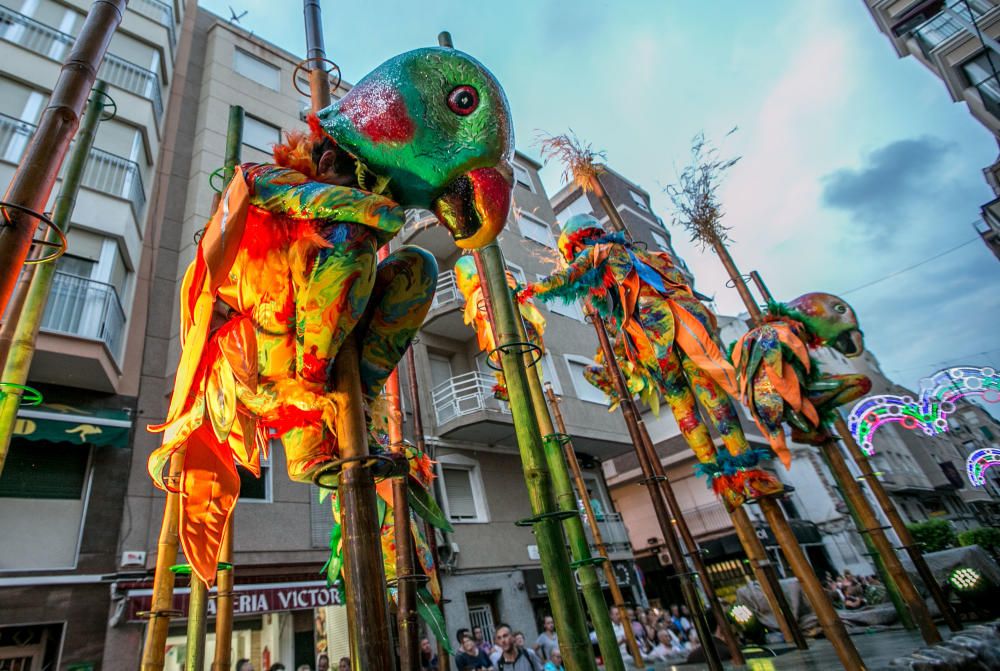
{"x": 286, "y": 270}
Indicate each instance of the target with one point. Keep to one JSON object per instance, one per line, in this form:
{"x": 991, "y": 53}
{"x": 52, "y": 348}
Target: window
{"x": 522, "y": 176}
{"x": 44, "y": 471}
{"x": 639, "y": 200}
{"x": 535, "y": 229}
{"x": 584, "y": 390}
{"x": 580, "y": 205}
{"x": 259, "y": 134}
{"x": 660, "y": 241}
{"x": 462, "y": 487}
{"x": 254, "y": 489}
{"x": 518, "y": 273}
{"x": 549, "y": 372}
{"x": 986, "y": 432}
{"x": 257, "y": 69}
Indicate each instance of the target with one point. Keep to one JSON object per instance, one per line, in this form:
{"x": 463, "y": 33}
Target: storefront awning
{"x": 57, "y": 423}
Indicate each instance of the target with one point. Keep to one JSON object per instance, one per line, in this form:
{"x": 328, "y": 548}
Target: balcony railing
{"x": 939, "y": 28}
{"x": 447, "y": 293}
{"x": 417, "y": 219}
{"x": 707, "y": 519}
{"x": 51, "y": 43}
{"x": 613, "y": 532}
{"x": 105, "y": 172}
{"x": 85, "y": 308}
{"x": 463, "y": 395}
{"x": 162, "y": 13}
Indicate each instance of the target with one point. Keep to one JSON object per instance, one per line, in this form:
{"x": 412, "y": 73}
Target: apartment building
{"x": 63, "y": 485}
{"x": 957, "y": 41}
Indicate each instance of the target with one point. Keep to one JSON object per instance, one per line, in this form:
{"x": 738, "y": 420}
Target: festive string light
{"x": 929, "y": 413}
{"x": 978, "y": 462}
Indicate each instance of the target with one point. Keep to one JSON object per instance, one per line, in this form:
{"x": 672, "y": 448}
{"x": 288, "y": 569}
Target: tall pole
{"x": 421, "y": 445}
{"x": 35, "y": 176}
{"x": 38, "y": 279}
{"x": 583, "y": 561}
{"x": 161, "y": 608}
{"x": 609, "y": 572}
{"x": 567, "y": 610}
{"x": 902, "y": 532}
{"x": 650, "y": 478}
{"x": 364, "y": 574}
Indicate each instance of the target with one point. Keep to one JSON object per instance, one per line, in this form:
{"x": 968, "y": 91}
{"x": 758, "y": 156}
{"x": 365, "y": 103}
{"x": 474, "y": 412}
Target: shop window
{"x": 257, "y": 69}
{"x": 584, "y": 390}
{"x": 462, "y": 487}
{"x": 535, "y": 229}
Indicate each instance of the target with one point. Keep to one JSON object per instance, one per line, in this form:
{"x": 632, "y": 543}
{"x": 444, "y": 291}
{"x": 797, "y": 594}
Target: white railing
{"x": 105, "y": 172}
{"x": 943, "y": 25}
{"x": 86, "y": 308}
{"x": 417, "y": 219}
{"x": 161, "y": 12}
{"x": 613, "y": 532}
{"x": 463, "y": 395}
{"x": 51, "y": 43}
{"x": 447, "y": 293}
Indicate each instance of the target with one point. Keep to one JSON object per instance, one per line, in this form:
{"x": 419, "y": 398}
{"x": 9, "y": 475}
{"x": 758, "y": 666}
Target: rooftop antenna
{"x": 234, "y": 17}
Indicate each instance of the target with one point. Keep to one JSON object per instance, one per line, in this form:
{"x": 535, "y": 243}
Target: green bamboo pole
{"x": 567, "y": 610}
{"x": 22, "y": 347}
{"x": 583, "y": 561}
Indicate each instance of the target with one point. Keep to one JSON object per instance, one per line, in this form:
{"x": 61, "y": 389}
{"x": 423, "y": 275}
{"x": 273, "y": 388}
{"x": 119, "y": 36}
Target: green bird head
{"x": 437, "y": 124}
{"x": 830, "y": 321}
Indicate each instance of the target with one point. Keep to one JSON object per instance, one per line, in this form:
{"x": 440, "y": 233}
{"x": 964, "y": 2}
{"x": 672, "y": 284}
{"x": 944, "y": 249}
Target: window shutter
{"x": 44, "y": 471}
{"x": 458, "y": 488}
{"x": 320, "y": 518}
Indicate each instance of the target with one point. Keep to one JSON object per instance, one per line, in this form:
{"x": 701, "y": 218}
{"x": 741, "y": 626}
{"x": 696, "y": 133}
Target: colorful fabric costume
{"x": 470, "y": 286}
{"x": 286, "y": 270}
{"x": 664, "y": 336}
{"x": 779, "y": 382}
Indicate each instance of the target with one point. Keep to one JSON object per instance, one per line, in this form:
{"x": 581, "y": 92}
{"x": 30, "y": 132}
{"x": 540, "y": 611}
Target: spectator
{"x": 481, "y": 641}
{"x": 323, "y": 662}
{"x": 681, "y": 623}
{"x": 668, "y": 647}
{"x": 428, "y": 657}
{"x": 697, "y": 653}
{"x": 548, "y": 640}
{"x": 513, "y": 658}
{"x": 244, "y": 665}
{"x": 595, "y": 505}
{"x": 471, "y": 657}
{"x": 555, "y": 661}
{"x": 304, "y": 667}
{"x": 460, "y": 634}
{"x": 637, "y": 629}
{"x": 344, "y": 664}
{"x": 278, "y": 666}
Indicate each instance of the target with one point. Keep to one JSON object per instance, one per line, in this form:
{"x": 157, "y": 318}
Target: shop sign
{"x": 247, "y": 599}
{"x": 534, "y": 579}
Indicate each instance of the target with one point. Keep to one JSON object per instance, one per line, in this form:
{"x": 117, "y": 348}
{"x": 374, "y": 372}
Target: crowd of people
{"x": 322, "y": 664}
{"x": 851, "y": 592}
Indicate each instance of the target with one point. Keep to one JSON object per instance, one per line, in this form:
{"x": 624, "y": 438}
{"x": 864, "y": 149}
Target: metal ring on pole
{"x": 185, "y": 569}
{"x": 301, "y": 67}
{"x": 218, "y": 172}
{"x": 29, "y": 395}
{"x": 110, "y": 103}
{"x": 731, "y": 284}
{"x": 219, "y": 595}
{"x": 596, "y": 560}
{"x": 653, "y": 479}
{"x": 561, "y": 438}
{"x": 515, "y": 348}
{"x": 383, "y": 466}
{"x": 60, "y": 247}
{"x": 418, "y": 578}
{"x": 558, "y": 515}
{"x": 153, "y": 614}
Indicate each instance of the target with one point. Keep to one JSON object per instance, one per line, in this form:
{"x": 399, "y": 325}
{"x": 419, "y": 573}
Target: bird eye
{"x": 463, "y": 100}
{"x": 840, "y": 307}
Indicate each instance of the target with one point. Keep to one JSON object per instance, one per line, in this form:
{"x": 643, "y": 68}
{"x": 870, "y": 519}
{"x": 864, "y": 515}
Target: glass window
{"x": 518, "y": 273}
{"x": 76, "y": 266}
{"x": 660, "y": 241}
{"x": 44, "y": 471}
{"x": 522, "y": 176}
{"x": 639, "y": 200}
{"x": 580, "y": 205}
{"x": 257, "y": 69}
{"x": 259, "y": 134}
{"x": 535, "y": 229}
{"x": 257, "y": 489}
{"x": 584, "y": 390}
{"x": 458, "y": 488}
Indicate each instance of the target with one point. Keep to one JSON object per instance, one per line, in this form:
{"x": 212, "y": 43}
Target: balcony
{"x": 613, "y": 533}
{"x": 944, "y": 25}
{"x": 422, "y": 228}
{"x": 85, "y": 308}
{"x": 55, "y": 45}
{"x": 162, "y": 13}
{"x": 464, "y": 409}
{"x": 445, "y": 315}
{"x": 105, "y": 172}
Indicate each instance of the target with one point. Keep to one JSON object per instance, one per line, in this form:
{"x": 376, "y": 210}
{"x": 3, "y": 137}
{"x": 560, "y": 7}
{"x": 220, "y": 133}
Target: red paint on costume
{"x": 377, "y": 110}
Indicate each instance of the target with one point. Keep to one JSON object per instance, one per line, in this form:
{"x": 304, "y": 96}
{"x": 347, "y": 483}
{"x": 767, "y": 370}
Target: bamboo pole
{"x": 663, "y": 516}
{"x": 820, "y": 602}
{"x": 35, "y": 176}
{"x": 197, "y": 625}
{"x": 406, "y": 595}
{"x": 364, "y": 574}
{"x": 583, "y": 561}
{"x": 896, "y": 521}
{"x": 566, "y": 607}
{"x": 37, "y": 280}
{"x": 609, "y": 572}
{"x": 421, "y": 444}
{"x": 161, "y": 608}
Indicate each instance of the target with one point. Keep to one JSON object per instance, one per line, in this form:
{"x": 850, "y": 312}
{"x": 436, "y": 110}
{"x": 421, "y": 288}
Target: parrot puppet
{"x": 286, "y": 271}
{"x": 666, "y": 343}
{"x": 779, "y": 382}
{"x": 469, "y": 284}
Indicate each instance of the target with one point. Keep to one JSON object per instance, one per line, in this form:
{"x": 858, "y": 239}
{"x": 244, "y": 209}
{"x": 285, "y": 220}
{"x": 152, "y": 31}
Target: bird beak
{"x": 474, "y": 207}
{"x": 850, "y": 343}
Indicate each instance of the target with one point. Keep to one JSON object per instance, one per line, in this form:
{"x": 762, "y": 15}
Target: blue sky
{"x": 856, "y": 164}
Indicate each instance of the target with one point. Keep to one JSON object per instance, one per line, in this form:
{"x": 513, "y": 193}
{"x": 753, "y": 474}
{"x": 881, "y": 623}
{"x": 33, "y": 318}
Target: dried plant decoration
{"x": 581, "y": 162}
{"x": 696, "y": 203}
